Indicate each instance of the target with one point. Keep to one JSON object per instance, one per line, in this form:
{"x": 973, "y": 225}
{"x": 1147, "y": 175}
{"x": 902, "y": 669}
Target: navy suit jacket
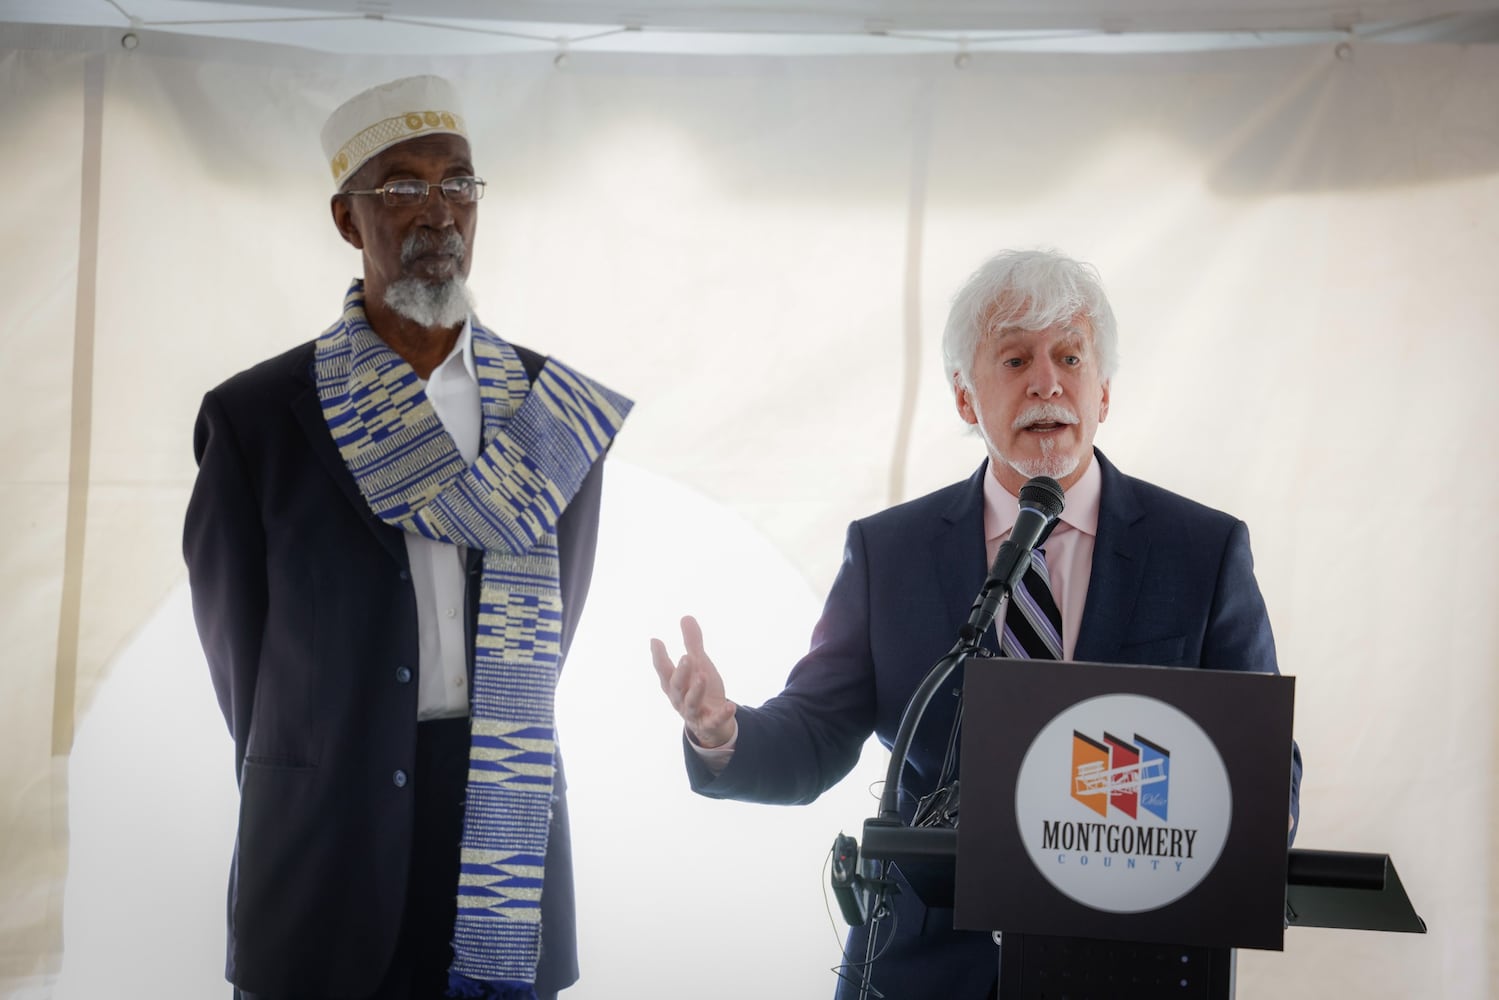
{"x": 307, "y": 614}
{"x": 1172, "y": 584}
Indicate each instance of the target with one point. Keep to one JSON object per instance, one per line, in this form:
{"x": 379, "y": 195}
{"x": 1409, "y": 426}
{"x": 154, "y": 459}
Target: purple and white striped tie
{"x": 1033, "y": 623}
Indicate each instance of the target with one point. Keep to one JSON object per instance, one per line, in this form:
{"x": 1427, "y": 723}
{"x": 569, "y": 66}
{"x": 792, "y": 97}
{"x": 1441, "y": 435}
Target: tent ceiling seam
{"x": 80, "y": 439}
{"x": 921, "y": 141}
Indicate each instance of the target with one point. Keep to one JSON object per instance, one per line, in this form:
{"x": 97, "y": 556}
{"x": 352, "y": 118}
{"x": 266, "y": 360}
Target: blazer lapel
{"x": 1118, "y": 564}
{"x": 308, "y": 410}
{"x": 958, "y": 550}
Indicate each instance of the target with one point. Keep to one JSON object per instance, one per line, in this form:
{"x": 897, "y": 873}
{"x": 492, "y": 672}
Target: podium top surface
{"x": 1339, "y": 889}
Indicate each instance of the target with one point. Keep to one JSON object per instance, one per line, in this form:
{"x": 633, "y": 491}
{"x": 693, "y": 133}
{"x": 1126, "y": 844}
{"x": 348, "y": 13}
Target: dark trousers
{"x": 419, "y": 968}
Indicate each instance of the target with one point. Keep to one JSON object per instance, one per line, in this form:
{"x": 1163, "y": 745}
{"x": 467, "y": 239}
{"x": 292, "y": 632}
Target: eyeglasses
{"x": 457, "y": 190}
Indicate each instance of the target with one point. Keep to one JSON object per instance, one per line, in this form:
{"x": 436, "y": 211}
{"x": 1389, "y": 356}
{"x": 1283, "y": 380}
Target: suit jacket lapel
{"x": 960, "y": 559}
{"x": 308, "y": 410}
{"x": 1118, "y": 563}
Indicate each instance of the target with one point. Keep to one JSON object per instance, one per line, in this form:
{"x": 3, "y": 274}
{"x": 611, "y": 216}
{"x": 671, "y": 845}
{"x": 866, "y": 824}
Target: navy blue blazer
{"x": 1172, "y": 584}
{"x": 307, "y": 615}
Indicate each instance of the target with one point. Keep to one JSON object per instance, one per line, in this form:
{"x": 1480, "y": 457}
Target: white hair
{"x": 1032, "y": 290}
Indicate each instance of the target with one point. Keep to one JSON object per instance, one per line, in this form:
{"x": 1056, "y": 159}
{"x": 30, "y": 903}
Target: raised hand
{"x": 695, "y": 688}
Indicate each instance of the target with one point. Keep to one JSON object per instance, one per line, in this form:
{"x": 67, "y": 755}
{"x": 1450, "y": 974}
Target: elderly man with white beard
{"x": 1130, "y": 574}
{"x": 389, "y": 543}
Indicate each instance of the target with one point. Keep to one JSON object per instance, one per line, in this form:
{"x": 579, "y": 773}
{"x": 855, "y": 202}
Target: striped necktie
{"x": 1033, "y": 623}
{"x": 1032, "y": 630}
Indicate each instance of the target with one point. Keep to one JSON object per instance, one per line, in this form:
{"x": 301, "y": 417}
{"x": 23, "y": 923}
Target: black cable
{"x": 882, "y": 910}
{"x": 938, "y": 808}
{"x": 827, "y": 863}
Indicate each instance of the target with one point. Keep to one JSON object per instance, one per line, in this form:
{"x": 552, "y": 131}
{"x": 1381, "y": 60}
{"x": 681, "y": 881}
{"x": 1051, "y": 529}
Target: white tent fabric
{"x": 1299, "y": 246}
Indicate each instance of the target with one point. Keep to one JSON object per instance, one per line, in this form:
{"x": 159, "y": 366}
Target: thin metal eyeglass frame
{"x": 385, "y": 196}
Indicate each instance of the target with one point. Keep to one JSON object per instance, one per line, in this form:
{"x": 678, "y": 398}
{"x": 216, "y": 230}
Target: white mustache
{"x": 421, "y": 242}
{"x": 1044, "y": 413}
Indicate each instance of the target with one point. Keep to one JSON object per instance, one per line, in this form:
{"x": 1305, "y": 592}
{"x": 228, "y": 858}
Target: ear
{"x": 1103, "y": 403}
{"x": 343, "y": 219}
{"x": 963, "y": 397}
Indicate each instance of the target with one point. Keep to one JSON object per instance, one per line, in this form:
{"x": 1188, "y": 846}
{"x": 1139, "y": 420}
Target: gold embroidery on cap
{"x": 385, "y": 133}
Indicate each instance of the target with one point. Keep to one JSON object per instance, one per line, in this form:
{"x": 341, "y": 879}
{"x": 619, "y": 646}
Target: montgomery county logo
{"x": 1123, "y": 824}
{"x": 1128, "y": 776}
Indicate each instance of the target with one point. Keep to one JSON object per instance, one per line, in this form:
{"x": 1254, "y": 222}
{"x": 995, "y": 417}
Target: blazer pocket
{"x": 281, "y": 763}
{"x": 1168, "y": 652}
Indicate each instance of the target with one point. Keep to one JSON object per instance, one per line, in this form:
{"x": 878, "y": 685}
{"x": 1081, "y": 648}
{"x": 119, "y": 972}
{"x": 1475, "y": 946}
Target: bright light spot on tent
{"x": 153, "y": 802}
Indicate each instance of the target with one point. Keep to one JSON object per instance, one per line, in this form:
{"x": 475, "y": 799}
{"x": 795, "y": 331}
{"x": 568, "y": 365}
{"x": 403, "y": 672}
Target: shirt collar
{"x": 464, "y": 346}
{"x": 1002, "y": 508}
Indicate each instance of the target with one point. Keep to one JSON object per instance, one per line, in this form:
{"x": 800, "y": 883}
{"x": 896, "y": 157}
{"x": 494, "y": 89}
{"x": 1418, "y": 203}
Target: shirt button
{"x": 403, "y": 675}
{"x": 458, "y": 682}
{"x": 452, "y": 612}
{"x": 399, "y": 779}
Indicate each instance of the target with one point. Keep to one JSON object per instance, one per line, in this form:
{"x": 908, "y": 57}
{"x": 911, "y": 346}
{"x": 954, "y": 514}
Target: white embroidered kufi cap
{"x": 382, "y": 116}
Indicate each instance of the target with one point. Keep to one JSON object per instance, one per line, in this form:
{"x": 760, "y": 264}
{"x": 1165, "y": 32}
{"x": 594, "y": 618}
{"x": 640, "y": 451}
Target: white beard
{"x": 1057, "y": 466}
{"x": 431, "y": 306}
{"x": 1052, "y": 464}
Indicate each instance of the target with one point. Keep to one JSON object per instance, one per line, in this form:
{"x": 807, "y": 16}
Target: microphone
{"x": 1041, "y": 502}
{"x": 1040, "y": 506}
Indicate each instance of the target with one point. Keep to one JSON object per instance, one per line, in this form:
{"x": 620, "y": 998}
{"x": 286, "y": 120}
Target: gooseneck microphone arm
{"x": 1041, "y": 502}
{"x": 911, "y": 717}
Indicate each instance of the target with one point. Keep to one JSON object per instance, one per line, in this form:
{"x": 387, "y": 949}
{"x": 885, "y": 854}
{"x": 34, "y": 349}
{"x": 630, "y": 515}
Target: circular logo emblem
{"x": 1123, "y": 803}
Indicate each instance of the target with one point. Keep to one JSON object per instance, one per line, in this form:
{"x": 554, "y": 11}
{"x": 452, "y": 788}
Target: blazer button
{"x": 403, "y": 675}
{"x": 399, "y": 779}
{"x": 405, "y": 574}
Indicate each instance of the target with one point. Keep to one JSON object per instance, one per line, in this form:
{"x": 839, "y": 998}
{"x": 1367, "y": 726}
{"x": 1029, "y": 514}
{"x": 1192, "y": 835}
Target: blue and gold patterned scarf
{"x": 540, "y": 440}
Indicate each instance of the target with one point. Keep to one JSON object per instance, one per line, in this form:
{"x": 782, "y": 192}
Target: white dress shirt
{"x": 437, "y": 568}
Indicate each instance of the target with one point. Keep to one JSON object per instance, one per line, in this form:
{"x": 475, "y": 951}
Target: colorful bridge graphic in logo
{"x": 1128, "y": 776}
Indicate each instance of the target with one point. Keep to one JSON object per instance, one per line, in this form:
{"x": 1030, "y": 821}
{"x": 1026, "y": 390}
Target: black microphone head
{"x": 1043, "y": 494}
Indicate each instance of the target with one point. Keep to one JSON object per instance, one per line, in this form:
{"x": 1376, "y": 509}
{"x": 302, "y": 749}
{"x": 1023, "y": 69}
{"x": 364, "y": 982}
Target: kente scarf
{"x": 540, "y": 440}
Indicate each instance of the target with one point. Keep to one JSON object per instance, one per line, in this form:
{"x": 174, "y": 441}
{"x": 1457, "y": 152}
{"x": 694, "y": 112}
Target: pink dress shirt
{"x": 1069, "y": 548}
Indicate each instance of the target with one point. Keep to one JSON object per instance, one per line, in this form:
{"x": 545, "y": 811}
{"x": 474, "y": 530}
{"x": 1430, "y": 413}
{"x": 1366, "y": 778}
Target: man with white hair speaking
{"x": 1131, "y": 574}
{"x": 389, "y": 544}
